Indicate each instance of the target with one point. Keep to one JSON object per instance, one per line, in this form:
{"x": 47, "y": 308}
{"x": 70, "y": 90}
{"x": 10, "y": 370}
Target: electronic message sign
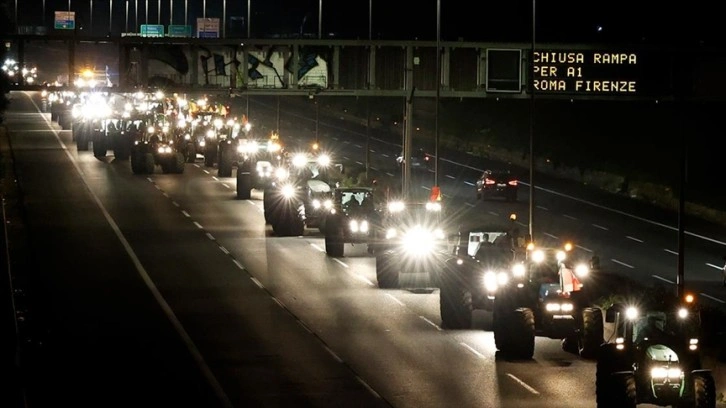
{"x": 587, "y": 72}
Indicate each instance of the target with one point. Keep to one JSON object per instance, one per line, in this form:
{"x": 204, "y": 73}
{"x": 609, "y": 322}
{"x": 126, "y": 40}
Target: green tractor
{"x": 654, "y": 357}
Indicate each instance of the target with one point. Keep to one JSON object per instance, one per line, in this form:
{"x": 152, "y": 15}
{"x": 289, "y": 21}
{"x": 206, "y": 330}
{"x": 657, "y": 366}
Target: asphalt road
{"x": 166, "y": 290}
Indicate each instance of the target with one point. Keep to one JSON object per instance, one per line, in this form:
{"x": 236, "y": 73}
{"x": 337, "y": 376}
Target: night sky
{"x": 569, "y": 21}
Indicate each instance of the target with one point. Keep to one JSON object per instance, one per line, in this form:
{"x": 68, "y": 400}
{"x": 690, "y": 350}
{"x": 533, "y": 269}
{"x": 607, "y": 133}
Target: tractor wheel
{"x": 455, "y": 305}
{"x": 591, "y": 333}
{"x": 514, "y": 332}
{"x": 386, "y": 273}
{"x": 244, "y": 184}
{"x": 334, "y": 243}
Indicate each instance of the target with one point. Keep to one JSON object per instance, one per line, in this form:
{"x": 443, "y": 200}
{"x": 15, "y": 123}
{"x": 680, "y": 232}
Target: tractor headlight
{"x": 433, "y": 206}
{"x": 281, "y": 173}
{"x": 316, "y": 204}
{"x": 356, "y": 226}
{"x": 324, "y": 160}
{"x": 328, "y": 204}
{"x": 420, "y": 241}
{"x": 666, "y": 373}
{"x": 693, "y": 344}
{"x": 582, "y": 270}
{"x": 631, "y": 313}
{"x": 518, "y": 270}
{"x": 391, "y": 233}
{"x": 288, "y": 191}
{"x": 682, "y": 313}
{"x": 561, "y": 256}
{"x": 396, "y": 206}
{"x": 559, "y": 307}
{"x": 538, "y": 256}
{"x": 211, "y": 134}
{"x": 299, "y": 160}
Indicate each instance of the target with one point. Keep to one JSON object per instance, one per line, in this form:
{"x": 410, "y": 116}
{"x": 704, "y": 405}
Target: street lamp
{"x": 249, "y": 19}
{"x": 204, "y": 9}
{"x": 127, "y": 16}
{"x": 110, "y": 16}
{"x": 531, "y": 126}
{"x": 90, "y": 10}
{"x": 158, "y": 12}
{"x": 146, "y": 6}
{"x": 171, "y": 12}
{"x": 320, "y": 19}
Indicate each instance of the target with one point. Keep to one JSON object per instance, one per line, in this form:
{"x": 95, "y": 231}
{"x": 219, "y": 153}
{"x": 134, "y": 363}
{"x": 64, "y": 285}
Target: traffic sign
{"x": 179, "y": 31}
{"x": 152, "y": 30}
{"x": 65, "y": 20}
{"x": 208, "y": 27}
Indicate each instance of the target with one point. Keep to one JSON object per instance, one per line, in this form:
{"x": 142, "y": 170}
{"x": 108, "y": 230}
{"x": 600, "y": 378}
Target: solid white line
{"x": 395, "y": 299}
{"x": 316, "y": 246}
{"x": 304, "y": 326}
{"x": 168, "y": 311}
{"x": 470, "y": 348}
{"x": 569, "y": 216}
{"x": 210, "y": 236}
{"x": 368, "y": 387}
{"x": 622, "y": 263}
{"x": 258, "y": 283}
{"x": 670, "y": 252}
{"x": 186, "y": 214}
{"x": 601, "y": 227}
{"x": 663, "y": 279}
{"x": 712, "y": 298}
{"x": 430, "y": 322}
{"x": 583, "y": 248}
{"x": 633, "y": 238}
{"x": 523, "y": 384}
{"x": 198, "y": 225}
{"x": 340, "y": 262}
{"x": 542, "y": 208}
{"x": 550, "y": 235}
{"x": 279, "y": 302}
{"x": 239, "y": 265}
{"x": 335, "y": 356}
{"x": 223, "y": 249}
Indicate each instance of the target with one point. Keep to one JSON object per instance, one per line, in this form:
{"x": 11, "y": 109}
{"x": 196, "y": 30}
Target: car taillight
{"x": 512, "y": 182}
{"x": 489, "y": 181}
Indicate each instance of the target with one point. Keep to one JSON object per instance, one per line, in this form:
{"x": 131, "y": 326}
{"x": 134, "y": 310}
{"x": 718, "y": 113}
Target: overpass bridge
{"x": 385, "y": 68}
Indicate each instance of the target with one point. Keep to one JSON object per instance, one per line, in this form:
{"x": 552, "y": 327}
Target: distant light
{"x": 599, "y": 29}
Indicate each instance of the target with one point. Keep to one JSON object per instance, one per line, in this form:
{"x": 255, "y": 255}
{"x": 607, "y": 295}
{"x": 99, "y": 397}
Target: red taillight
{"x": 512, "y": 182}
{"x": 489, "y": 181}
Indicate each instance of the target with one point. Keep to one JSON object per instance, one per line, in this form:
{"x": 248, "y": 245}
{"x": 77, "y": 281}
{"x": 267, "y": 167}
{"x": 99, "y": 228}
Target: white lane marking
{"x": 304, "y": 326}
{"x": 670, "y": 252}
{"x": 663, "y": 279}
{"x": 493, "y": 213}
{"x": 215, "y": 178}
{"x": 358, "y": 146}
{"x": 335, "y": 356}
{"x": 633, "y": 239}
{"x": 223, "y": 249}
{"x": 205, "y": 171}
{"x": 361, "y": 278}
{"x": 469, "y": 183}
{"x": 346, "y": 158}
{"x": 395, "y": 299}
{"x": 156, "y": 186}
{"x": 622, "y": 263}
{"x": 430, "y": 322}
{"x": 521, "y": 224}
{"x": 470, "y": 204}
{"x": 371, "y": 150}
{"x": 357, "y": 162}
{"x": 713, "y": 298}
{"x": 198, "y": 225}
{"x": 390, "y": 174}
{"x": 316, "y": 246}
{"x": 451, "y": 177}
{"x": 150, "y": 179}
{"x": 600, "y": 227}
{"x": 239, "y": 265}
{"x": 385, "y": 155}
{"x": 472, "y": 350}
{"x": 175, "y": 204}
{"x": 196, "y": 165}
{"x": 719, "y": 267}
{"x": 368, "y": 387}
{"x": 279, "y": 302}
{"x": 340, "y": 262}
{"x": 374, "y": 168}
{"x": 523, "y": 384}
{"x": 569, "y": 216}
{"x": 210, "y": 236}
{"x": 335, "y": 138}
{"x": 583, "y": 248}
{"x": 165, "y": 194}
{"x": 168, "y": 311}
{"x": 550, "y": 235}
{"x": 225, "y": 184}
{"x": 426, "y": 188}
{"x": 186, "y": 214}
{"x": 542, "y": 208}
{"x": 258, "y": 283}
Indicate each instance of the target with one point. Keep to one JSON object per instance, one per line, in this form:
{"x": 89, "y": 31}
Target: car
{"x": 420, "y": 160}
{"x": 497, "y": 183}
